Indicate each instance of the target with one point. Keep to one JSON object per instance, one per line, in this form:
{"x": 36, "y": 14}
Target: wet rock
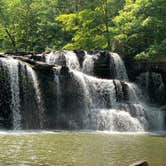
{"x": 136, "y": 68}
{"x": 36, "y": 64}
{"x": 38, "y": 57}
{"x": 80, "y": 54}
{"x": 64, "y": 70}
{"x": 102, "y": 65}
{"x": 43, "y": 66}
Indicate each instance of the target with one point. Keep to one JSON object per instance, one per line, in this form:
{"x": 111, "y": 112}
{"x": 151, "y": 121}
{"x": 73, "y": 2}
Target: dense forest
{"x": 130, "y": 27}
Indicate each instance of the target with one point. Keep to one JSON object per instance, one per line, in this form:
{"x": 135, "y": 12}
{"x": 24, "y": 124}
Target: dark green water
{"x": 80, "y": 149}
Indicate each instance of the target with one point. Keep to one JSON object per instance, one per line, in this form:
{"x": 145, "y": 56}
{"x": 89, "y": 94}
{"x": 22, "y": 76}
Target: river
{"x": 64, "y": 148}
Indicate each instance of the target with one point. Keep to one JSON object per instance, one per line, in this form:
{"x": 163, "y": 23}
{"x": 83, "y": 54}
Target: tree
{"x": 7, "y": 26}
{"x": 90, "y": 27}
{"x": 141, "y": 28}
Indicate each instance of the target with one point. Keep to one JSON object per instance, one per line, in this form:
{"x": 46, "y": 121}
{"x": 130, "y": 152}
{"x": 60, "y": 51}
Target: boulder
{"x": 80, "y": 55}
{"x": 136, "y": 68}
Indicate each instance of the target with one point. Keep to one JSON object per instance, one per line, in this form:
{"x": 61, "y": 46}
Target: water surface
{"x": 80, "y": 149}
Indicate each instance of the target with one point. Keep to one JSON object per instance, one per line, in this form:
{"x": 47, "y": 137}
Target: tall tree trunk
{"x": 107, "y": 24}
{"x": 11, "y": 39}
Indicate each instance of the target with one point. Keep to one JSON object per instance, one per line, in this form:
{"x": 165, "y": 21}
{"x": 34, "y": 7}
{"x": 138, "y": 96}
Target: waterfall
{"x": 88, "y": 64}
{"x": 115, "y": 120}
{"x": 21, "y": 76}
{"x": 67, "y": 58}
{"x": 56, "y": 79}
{"x": 77, "y": 95}
{"x": 114, "y": 105}
{"x": 150, "y": 80}
{"x": 32, "y": 75}
{"x": 12, "y": 66}
{"x": 120, "y": 70}
{"x": 124, "y": 114}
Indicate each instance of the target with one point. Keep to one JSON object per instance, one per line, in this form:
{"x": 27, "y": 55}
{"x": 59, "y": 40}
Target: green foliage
{"x": 141, "y": 28}
{"x": 86, "y": 34}
{"x": 131, "y": 27}
{"x": 90, "y": 29}
{"x": 29, "y": 25}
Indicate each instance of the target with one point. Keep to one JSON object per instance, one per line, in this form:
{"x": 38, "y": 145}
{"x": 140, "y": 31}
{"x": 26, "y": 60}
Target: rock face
{"x": 102, "y": 67}
{"x": 151, "y": 76}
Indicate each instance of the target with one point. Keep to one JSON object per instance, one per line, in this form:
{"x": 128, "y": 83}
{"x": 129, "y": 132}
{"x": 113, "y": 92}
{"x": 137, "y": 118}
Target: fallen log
{"x": 140, "y": 163}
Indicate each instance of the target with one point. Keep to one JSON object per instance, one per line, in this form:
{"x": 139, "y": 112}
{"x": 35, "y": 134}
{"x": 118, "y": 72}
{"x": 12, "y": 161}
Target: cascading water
{"x": 109, "y": 110}
{"x": 21, "y": 76}
{"x": 32, "y": 75}
{"x": 67, "y": 58}
{"x": 77, "y": 95}
{"x": 150, "y": 80}
{"x": 120, "y": 70}
{"x": 12, "y": 66}
{"x": 88, "y": 64}
{"x": 114, "y": 105}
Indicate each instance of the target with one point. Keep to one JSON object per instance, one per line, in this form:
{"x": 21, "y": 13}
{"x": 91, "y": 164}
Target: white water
{"x": 105, "y": 112}
{"x": 120, "y": 69}
{"x": 58, "y": 57}
{"x": 12, "y": 67}
{"x": 112, "y": 105}
{"x": 33, "y": 76}
{"x": 58, "y": 90}
{"x": 88, "y": 64}
{"x": 122, "y": 116}
{"x": 115, "y": 120}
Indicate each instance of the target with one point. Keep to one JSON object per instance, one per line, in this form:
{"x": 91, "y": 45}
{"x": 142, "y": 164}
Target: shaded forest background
{"x": 134, "y": 28}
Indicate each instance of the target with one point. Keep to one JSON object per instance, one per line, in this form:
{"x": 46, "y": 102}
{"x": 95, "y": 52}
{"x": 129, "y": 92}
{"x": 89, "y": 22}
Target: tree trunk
{"x": 107, "y": 25}
{"x": 11, "y": 39}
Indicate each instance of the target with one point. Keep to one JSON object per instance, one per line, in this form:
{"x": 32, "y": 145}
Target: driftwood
{"x": 140, "y": 163}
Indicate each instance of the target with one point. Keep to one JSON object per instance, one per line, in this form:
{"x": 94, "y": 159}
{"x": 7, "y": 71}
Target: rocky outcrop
{"x": 38, "y": 65}
{"x": 136, "y": 69}
{"x": 102, "y": 65}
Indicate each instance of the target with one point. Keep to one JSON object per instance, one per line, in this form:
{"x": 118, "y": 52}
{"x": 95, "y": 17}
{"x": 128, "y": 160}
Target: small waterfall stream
{"x": 88, "y": 64}
{"x": 120, "y": 70}
{"x": 12, "y": 66}
{"x": 18, "y": 73}
{"x": 68, "y": 58}
{"x": 33, "y": 76}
